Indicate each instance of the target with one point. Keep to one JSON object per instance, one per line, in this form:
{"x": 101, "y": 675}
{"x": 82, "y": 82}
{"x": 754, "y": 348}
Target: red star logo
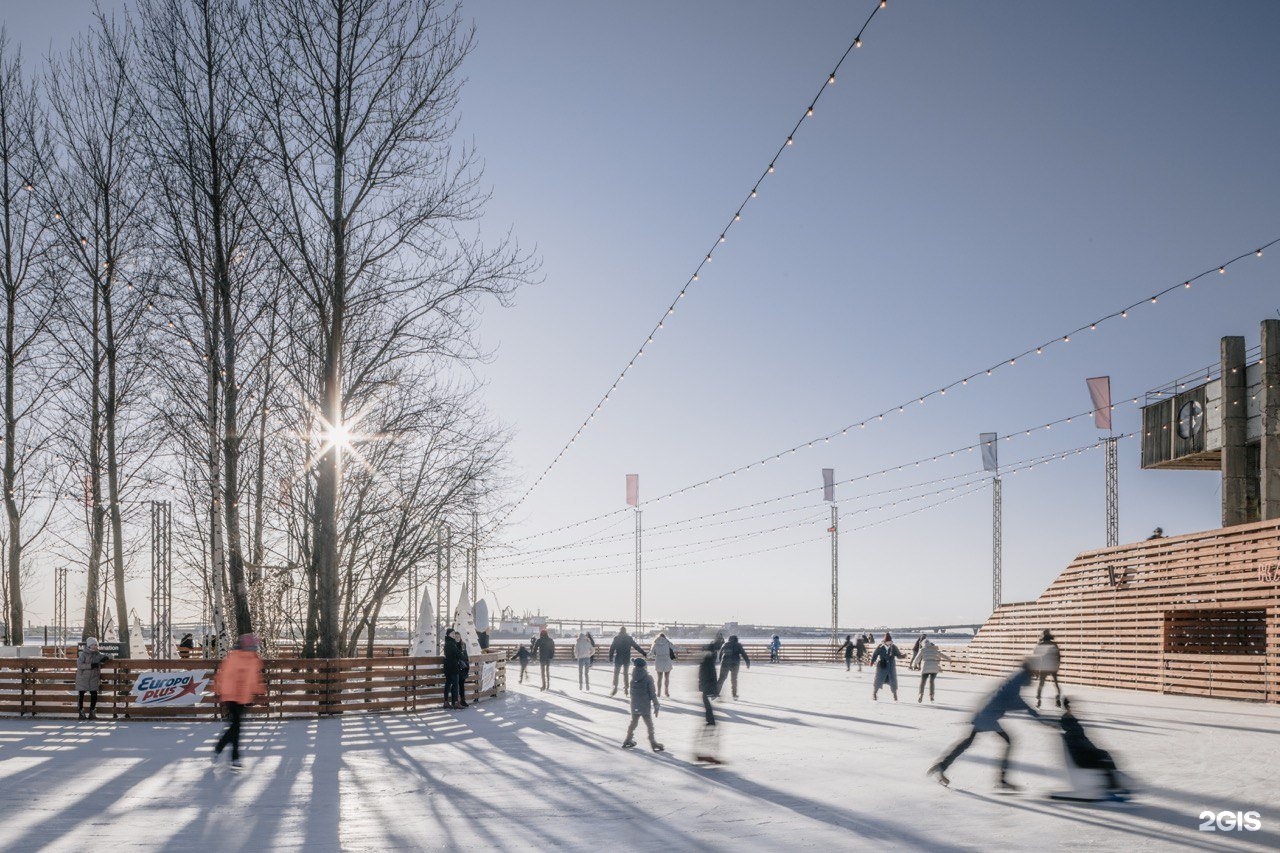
{"x": 190, "y": 687}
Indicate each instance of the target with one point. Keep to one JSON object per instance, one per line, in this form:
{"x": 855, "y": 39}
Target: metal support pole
{"x": 835, "y": 573}
{"x": 60, "y": 606}
{"x": 473, "y": 576}
{"x": 161, "y": 579}
{"x": 997, "y": 544}
{"x": 639, "y": 630}
{"x": 1113, "y": 494}
{"x": 442, "y": 600}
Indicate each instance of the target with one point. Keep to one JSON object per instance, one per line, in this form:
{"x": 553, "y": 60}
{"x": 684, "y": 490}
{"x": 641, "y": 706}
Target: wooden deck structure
{"x": 296, "y": 687}
{"x": 1196, "y": 614}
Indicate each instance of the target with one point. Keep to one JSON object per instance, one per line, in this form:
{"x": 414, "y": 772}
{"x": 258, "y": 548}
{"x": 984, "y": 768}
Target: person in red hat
{"x": 238, "y": 683}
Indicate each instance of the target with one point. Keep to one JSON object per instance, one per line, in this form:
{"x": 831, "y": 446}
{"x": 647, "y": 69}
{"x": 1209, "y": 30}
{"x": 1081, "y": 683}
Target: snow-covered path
{"x": 814, "y": 764}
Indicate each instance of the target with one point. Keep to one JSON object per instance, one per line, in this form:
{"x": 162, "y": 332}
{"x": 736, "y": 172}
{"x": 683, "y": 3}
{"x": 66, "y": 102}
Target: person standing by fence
{"x": 455, "y": 656}
{"x": 583, "y": 649}
{"x": 731, "y": 656}
{"x": 1047, "y": 658}
{"x": 546, "y": 648}
{"x": 238, "y": 684}
{"x": 884, "y": 662}
{"x": 620, "y": 657}
{"x": 664, "y": 655}
{"x": 775, "y": 649}
{"x": 89, "y": 663}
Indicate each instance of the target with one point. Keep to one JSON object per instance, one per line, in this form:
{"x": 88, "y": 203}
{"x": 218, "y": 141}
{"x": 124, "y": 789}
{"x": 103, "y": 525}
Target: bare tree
{"x": 359, "y": 99}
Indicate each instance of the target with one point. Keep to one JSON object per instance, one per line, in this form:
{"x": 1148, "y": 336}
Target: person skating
{"x": 455, "y": 653}
{"x": 915, "y": 650}
{"x": 860, "y": 650}
{"x": 848, "y": 648}
{"x": 708, "y": 683}
{"x": 928, "y": 660}
{"x": 583, "y": 649}
{"x": 664, "y": 655}
{"x": 620, "y": 656}
{"x": 884, "y": 662}
{"x": 522, "y": 655}
{"x": 89, "y": 663}
{"x": 718, "y": 643}
{"x": 1006, "y": 698}
{"x": 1092, "y": 770}
{"x": 732, "y": 655}
{"x": 644, "y": 695}
{"x": 775, "y": 649}
{"x": 238, "y": 684}
{"x": 546, "y": 648}
{"x": 1048, "y": 658}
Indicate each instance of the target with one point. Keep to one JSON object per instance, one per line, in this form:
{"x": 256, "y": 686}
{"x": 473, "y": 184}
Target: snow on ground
{"x": 814, "y": 764}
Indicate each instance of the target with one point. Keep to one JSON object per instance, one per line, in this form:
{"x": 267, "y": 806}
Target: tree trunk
{"x": 93, "y": 493}
{"x": 13, "y": 557}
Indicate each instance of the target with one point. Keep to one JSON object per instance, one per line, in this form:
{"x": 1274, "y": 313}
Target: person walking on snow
{"x": 620, "y": 657}
{"x": 89, "y": 663}
{"x": 583, "y": 649}
{"x": 884, "y": 662}
{"x": 928, "y": 660}
{"x": 732, "y": 655}
{"x": 664, "y": 654}
{"x": 848, "y": 648}
{"x": 546, "y": 649}
{"x": 238, "y": 683}
{"x": 915, "y": 650}
{"x": 1047, "y": 657}
{"x": 1006, "y": 698}
{"x": 643, "y": 694}
{"x": 775, "y": 649}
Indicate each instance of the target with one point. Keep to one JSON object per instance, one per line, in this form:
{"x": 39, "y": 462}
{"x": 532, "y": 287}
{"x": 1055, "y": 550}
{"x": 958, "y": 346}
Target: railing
{"x": 296, "y": 687}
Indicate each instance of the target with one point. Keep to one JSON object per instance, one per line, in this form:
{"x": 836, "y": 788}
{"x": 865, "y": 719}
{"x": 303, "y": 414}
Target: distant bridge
{"x": 564, "y": 625}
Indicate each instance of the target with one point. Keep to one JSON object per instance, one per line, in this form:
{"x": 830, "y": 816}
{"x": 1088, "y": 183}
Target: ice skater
{"x": 775, "y": 649}
{"x": 707, "y": 747}
{"x": 644, "y": 695}
{"x": 546, "y": 649}
{"x": 848, "y": 648}
{"x": 860, "y": 649}
{"x": 238, "y": 684}
{"x": 915, "y": 650}
{"x": 89, "y": 663}
{"x": 1006, "y": 698}
{"x": 522, "y": 655}
{"x": 583, "y": 649}
{"x": 620, "y": 657}
{"x": 1048, "y": 658}
{"x": 732, "y": 655}
{"x": 928, "y": 660}
{"x": 664, "y": 655}
{"x": 884, "y": 662}
{"x": 1092, "y": 770}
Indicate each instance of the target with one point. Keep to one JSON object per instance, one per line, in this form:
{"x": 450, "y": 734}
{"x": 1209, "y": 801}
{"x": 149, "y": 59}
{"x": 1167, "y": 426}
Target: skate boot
{"x": 83, "y": 716}
{"x": 1004, "y": 786}
{"x": 628, "y": 744}
{"x": 657, "y": 747}
{"x": 936, "y": 770}
{"x": 920, "y": 698}
{"x": 236, "y": 765}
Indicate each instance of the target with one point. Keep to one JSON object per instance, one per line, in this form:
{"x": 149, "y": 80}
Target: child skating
{"x": 644, "y": 697}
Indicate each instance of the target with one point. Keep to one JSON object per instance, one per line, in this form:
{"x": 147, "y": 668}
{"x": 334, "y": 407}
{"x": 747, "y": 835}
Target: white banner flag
{"x": 1100, "y": 394}
{"x": 633, "y": 490}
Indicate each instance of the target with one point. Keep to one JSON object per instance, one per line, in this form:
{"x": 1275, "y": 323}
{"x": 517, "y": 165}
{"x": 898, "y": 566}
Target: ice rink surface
{"x": 813, "y": 763}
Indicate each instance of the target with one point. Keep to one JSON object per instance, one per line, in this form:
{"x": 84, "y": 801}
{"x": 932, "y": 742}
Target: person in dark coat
{"x": 546, "y": 649}
{"x": 620, "y": 656}
{"x": 860, "y": 650}
{"x": 1047, "y": 658}
{"x": 186, "y": 646}
{"x": 454, "y": 694}
{"x": 1086, "y": 755}
{"x": 483, "y": 638}
{"x": 848, "y": 648}
{"x": 522, "y": 655}
{"x": 884, "y": 662}
{"x": 915, "y": 650}
{"x": 1006, "y": 698}
{"x": 644, "y": 694}
{"x": 89, "y": 663}
{"x": 732, "y": 655}
{"x": 707, "y": 681}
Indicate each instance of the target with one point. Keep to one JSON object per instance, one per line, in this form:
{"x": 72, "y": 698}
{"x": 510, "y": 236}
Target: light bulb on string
{"x": 857, "y": 42}
{"x": 831, "y": 79}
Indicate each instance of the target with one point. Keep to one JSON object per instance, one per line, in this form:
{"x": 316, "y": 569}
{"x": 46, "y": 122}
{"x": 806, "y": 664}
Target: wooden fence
{"x": 1196, "y": 614}
{"x": 296, "y": 687}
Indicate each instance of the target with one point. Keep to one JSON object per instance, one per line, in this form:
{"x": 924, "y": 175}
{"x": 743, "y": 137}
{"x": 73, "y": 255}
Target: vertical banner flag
{"x": 1100, "y": 394}
{"x": 828, "y": 484}
{"x": 633, "y": 490}
{"x": 989, "y": 455}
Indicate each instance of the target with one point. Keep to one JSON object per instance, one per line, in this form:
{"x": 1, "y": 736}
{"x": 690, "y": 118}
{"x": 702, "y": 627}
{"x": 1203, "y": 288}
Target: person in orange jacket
{"x": 238, "y": 683}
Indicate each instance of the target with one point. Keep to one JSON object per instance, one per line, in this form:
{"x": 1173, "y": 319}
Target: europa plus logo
{"x": 1230, "y": 821}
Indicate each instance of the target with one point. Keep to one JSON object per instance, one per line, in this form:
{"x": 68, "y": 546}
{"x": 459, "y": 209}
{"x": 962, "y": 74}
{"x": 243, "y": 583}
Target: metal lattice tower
{"x": 1113, "y": 494}
{"x": 60, "y": 605}
{"x": 835, "y": 575}
{"x": 473, "y": 569}
{"x": 639, "y": 630}
{"x": 997, "y": 544}
{"x": 161, "y": 580}
{"x": 444, "y": 583}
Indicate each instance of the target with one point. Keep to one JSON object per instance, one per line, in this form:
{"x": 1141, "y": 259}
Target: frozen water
{"x": 813, "y": 764}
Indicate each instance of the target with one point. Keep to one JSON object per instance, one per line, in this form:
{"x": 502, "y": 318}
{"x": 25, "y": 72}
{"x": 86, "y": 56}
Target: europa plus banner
{"x": 171, "y": 689}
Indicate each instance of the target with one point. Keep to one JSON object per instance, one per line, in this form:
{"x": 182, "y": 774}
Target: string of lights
{"x": 675, "y": 527}
{"x": 694, "y": 277}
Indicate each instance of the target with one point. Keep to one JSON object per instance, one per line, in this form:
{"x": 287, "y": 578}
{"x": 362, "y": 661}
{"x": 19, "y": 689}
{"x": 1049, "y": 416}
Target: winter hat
{"x": 91, "y": 642}
{"x": 639, "y": 663}
{"x": 248, "y": 641}
{"x": 1046, "y": 637}
{"x": 887, "y": 637}
{"x": 542, "y": 633}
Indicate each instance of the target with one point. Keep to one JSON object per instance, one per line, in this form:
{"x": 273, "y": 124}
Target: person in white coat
{"x": 664, "y": 655}
{"x": 583, "y": 649}
{"x": 928, "y": 659}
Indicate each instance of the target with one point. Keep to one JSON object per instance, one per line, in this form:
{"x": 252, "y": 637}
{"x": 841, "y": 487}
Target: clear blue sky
{"x": 982, "y": 177}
